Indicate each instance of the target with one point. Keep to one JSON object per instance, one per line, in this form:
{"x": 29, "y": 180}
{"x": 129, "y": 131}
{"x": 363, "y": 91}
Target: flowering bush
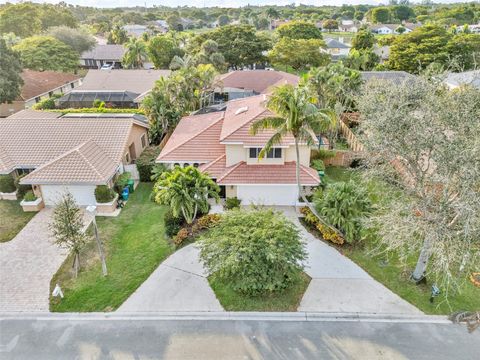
{"x": 327, "y": 234}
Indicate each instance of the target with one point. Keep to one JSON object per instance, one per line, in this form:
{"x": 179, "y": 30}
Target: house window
{"x": 144, "y": 142}
{"x": 127, "y": 157}
{"x": 72, "y": 85}
{"x": 275, "y": 153}
{"x": 37, "y": 99}
{"x": 185, "y": 165}
{"x": 195, "y": 165}
{"x": 50, "y": 93}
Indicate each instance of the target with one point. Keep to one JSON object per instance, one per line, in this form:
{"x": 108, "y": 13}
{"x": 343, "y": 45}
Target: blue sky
{"x": 222, "y": 3}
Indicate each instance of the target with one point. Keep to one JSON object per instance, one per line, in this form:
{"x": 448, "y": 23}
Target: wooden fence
{"x": 351, "y": 138}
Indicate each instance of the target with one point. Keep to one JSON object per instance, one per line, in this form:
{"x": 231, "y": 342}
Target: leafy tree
{"x": 175, "y": 22}
{"x": 210, "y": 55}
{"x": 402, "y": 12}
{"x": 117, "y": 35}
{"x": 255, "y": 251}
{"x": 57, "y": 15}
{"x": 330, "y": 25}
{"x": 272, "y": 13}
{"x": 47, "y": 53}
{"x": 465, "y": 49}
{"x": 67, "y": 227}
{"x": 239, "y": 44}
{"x": 78, "y": 39}
{"x": 380, "y": 14}
{"x": 262, "y": 23}
{"x": 298, "y": 53}
{"x": 295, "y": 114}
{"x": 161, "y": 50}
{"x": 363, "y": 39}
{"x": 223, "y": 20}
{"x": 299, "y": 30}
{"x": 344, "y": 205}
{"x": 10, "y": 68}
{"x": 186, "y": 191}
{"x": 364, "y": 60}
{"x": 135, "y": 54}
{"x": 418, "y": 128}
{"x": 22, "y": 19}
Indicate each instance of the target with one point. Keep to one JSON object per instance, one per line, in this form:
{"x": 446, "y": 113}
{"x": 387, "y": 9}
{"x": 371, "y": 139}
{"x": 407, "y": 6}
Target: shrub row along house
{"x": 73, "y": 152}
{"x": 220, "y": 144}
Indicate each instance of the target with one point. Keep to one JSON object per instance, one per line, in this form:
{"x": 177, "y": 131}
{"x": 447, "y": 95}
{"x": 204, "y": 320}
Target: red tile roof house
{"x": 73, "y": 152}
{"x": 221, "y": 145}
{"x": 37, "y": 86}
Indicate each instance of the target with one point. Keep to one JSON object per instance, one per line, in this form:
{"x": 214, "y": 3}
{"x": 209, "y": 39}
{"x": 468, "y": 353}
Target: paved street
{"x": 27, "y": 265}
{"x": 132, "y": 338}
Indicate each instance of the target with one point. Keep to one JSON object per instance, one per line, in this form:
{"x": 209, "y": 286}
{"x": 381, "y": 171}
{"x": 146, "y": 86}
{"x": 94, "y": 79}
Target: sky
{"x": 221, "y": 3}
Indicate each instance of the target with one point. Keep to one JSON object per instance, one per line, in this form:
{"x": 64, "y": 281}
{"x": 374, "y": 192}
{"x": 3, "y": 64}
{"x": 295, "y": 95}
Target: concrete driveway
{"x": 340, "y": 285}
{"x": 27, "y": 264}
{"x": 178, "y": 284}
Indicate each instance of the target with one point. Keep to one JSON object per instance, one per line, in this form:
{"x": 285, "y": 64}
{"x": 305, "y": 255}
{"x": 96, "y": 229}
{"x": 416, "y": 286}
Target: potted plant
{"x": 7, "y": 187}
{"x": 106, "y": 199}
{"x": 31, "y": 202}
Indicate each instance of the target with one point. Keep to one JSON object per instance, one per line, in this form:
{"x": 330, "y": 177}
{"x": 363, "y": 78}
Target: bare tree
{"x": 67, "y": 227}
{"x": 426, "y": 139}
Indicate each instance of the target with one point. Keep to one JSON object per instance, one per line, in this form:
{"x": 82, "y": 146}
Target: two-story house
{"x": 220, "y": 144}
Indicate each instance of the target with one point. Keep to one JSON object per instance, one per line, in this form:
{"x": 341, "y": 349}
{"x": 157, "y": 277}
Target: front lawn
{"x": 135, "y": 244}
{"x": 12, "y": 219}
{"x": 287, "y": 300}
{"x": 390, "y": 271}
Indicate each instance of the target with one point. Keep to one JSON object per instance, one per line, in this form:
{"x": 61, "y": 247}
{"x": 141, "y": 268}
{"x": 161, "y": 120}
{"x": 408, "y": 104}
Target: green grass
{"x": 135, "y": 244}
{"x": 287, "y": 300}
{"x": 12, "y": 219}
{"x": 395, "y": 274}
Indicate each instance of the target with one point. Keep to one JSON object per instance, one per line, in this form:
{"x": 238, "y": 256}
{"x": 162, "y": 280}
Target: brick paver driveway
{"x": 27, "y": 264}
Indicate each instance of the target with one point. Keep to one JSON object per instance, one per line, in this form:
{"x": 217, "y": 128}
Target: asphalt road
{"x": 53, "y": 338}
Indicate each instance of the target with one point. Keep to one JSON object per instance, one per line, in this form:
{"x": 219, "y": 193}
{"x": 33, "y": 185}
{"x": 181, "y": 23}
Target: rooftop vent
{"x": 241, "y": 110}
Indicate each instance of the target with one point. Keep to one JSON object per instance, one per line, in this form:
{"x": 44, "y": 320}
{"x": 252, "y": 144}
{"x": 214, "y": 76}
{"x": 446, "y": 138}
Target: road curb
{"x": 225, "y": 315}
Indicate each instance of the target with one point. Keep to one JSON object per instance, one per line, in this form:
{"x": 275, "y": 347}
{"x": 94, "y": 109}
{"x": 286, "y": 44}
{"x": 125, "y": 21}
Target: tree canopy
{"x": 299, "y": 30}
{"x": 10, "y": 68}
{"x": 161, "y": 50}
{"x": 47, "y": 53}
{"x": 299, "y": 53}
{"x": 78, "y": 39}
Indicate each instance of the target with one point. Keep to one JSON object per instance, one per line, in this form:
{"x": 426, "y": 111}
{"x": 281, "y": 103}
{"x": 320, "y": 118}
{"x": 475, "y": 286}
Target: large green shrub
{"x": 21, "y": 189}
{"x": 344, "y": 205}
{"x": 173, "y": 224}
{"x": 232, "y": 203}
{"x": 104, "y": 194}
{"x": 7, "y": 183}
{"x": 48, "y": 103}
{"x": 255, "y": 251}
{"x": 122, "y": 181}
{"x": 322, "y": 154}
{"x": 29, "y": 196}
{"x": 146, "y": 162}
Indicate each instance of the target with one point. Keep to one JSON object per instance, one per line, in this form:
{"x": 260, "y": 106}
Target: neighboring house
{"x": 389, "y": 29}
{"x": 117, "y": 88}
{"x": 39, "y": 85}
{"x": 348, "y": 28}
{"x": 397, "y": 77}
{"x": 220, "y": 144}
{"x": 103, "y": 54}
{"x": 136, "y": 30}
{"x": 455, "y": 80}
{"x": 74, "y": 152}
{"x": 161, "y": 25}
{"x": 276, "y": 23}
{"x": 336, "y": 49}
{"x": 473, "y": 29}
{"x": 245, "y": 83}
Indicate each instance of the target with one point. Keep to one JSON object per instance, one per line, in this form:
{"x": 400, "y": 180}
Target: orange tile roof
{"x": 37, "y": 83}
{"x": 196, "y": 138}
{"x": 216, "y": 167}
{"x": 242, "y": 173}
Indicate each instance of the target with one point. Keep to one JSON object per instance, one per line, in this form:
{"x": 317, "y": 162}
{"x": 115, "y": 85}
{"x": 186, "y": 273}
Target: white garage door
{"x": 268, "y": 194}
{"x": 84, "y": 194}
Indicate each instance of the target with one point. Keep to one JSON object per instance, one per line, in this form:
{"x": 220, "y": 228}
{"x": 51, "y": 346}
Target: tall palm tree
{"x": 136, "y": 54}
{"x": 297, "y": 115}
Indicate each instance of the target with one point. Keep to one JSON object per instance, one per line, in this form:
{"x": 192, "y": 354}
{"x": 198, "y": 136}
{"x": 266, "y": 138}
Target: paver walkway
{"x": 340, "y": 285}
{"x": 178, "y": 284}
{"x": 27, "y": 265}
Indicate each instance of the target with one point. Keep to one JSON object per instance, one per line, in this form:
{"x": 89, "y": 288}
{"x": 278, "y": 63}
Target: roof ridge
{"x": 87, "y": 161}
{"x": 230, "y": 170}
{"x": 197, "y": 134}
{"x": 245, "y": 123}
{"x": 306, "y": 170}
{"x": 213, "y": 162}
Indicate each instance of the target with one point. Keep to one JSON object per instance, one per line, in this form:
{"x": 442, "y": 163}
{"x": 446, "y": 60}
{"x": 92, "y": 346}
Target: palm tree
{"x": 295, "y": 114}
{"x": 135, "y": 55}
{"x": 186, "y": 191}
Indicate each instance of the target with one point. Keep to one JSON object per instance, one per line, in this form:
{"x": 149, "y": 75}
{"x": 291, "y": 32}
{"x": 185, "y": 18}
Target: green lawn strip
{"x": 287, "y": 300}
{"x": 393, "y": 274}
{"x": 12, "y": 219}
{"x": 135, "y": 244}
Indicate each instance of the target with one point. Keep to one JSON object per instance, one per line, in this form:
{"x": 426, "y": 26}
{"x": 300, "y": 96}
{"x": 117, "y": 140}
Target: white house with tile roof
{"x": 74, "y": 152}
{"x": 220, "y": 144}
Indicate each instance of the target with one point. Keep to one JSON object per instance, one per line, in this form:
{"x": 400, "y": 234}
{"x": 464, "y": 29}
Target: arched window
{"x": 176, "y": 164}
{"x": 195, "y": 165}
{"x": 185, "y": 165}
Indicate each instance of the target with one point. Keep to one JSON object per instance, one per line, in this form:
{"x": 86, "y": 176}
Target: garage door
{"x": 84, "y": 195}
{"x": 268, "y": 194}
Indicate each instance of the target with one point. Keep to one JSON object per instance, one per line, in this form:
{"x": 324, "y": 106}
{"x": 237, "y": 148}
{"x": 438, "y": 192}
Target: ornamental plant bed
{"x": 189, "y": 233}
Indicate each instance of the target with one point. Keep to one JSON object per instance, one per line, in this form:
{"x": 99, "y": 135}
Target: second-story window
{"x": 275, "y": 153}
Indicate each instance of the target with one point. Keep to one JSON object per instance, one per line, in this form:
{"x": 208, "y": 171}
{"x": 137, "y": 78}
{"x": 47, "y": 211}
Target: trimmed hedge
{"x": 101, "y": 110}
{"x": 232, "y": 203}
{"x": 103, "y": 194}
{"x": 7, "y": 183}
{"x": 122, "y": 181}
{"x": 29, "y": 196}
{"x": 146, "y": 162}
